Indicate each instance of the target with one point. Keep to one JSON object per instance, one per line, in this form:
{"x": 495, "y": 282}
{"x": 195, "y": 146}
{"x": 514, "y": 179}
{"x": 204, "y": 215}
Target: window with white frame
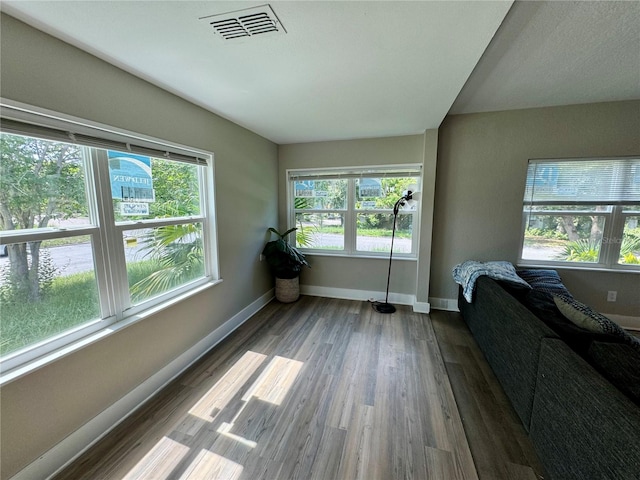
{"x": 583, "y": 212}
{"x": 95, "y": 226}
{"x": 350, "y": 210}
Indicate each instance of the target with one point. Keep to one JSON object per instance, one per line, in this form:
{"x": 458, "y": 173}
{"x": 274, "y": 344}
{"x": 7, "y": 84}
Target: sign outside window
{"x": 131, "y": 182}
{"x": 130, "y": 177}
{"x": 370, "y": 187}
{"x": 305, "y": 188}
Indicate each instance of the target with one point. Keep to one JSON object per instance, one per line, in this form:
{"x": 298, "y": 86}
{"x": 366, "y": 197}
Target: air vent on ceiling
{"x": 245, "y": 23}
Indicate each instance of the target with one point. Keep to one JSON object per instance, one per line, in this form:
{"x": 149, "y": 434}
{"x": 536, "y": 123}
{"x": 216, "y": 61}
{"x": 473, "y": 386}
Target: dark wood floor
{"x": 498, "y": 441}
{"x": 325, "y": 389}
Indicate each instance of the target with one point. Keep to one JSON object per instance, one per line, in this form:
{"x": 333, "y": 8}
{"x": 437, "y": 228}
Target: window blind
{"x": 41, "y": 126}
{"x": 356, "y": 172}
{"x": 603, "y": 181}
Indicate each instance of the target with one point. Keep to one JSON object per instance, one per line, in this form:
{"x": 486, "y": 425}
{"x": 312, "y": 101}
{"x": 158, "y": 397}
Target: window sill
{"x": 46, "y": 359}
{"x": 357, "y": 256}
{"x": 589, "y": 268}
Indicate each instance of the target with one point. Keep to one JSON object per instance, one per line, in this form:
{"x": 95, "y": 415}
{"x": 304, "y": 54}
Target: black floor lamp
{"x": 410, "y": 196}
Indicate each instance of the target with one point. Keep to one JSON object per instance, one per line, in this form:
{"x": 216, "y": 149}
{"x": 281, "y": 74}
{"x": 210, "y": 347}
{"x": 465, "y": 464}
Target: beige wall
{"x": 368, "y": 274}
{"x": 482, "y": 164}
{"x": 42, "y": 408}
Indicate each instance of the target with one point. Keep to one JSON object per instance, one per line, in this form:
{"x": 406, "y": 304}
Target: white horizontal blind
{"x": 89, "y": 137}
{"x": 412, "y": 170}
{"x": 605, "y": 181}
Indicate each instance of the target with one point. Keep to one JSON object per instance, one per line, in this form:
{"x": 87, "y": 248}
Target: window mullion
{"x": 612, "y": 236}
{"x": 107, "y": 308}
{"x": 110, "y": 257}
{"x": 415, "y": 227}
{"x": 205, "y": 183}
{"x": 350, "y": 218}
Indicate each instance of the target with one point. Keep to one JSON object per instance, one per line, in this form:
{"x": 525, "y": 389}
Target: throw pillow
{"x": 583, "y": 316}
{"x": 545, "y": 280}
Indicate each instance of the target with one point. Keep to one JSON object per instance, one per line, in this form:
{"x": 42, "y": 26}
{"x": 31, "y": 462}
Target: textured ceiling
{"x": 356, "y": 69}
{"x": 558, "y": 53}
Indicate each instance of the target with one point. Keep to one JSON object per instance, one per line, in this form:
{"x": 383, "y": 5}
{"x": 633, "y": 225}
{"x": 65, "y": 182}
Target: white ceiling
{"x": 355, "y": 69}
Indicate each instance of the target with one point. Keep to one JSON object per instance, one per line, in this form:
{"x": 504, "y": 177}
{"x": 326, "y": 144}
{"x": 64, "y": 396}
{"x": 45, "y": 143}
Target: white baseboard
{"x": 365, "y": 295}
{"x": 451, "y": 305}
{"x": 65, "y": 452}
{"x": 421, "y": 307}
{"x": 625, "y": 321}
{"x": 448, "y": 304}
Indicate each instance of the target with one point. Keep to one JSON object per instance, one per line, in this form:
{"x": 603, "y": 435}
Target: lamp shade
{"x": 413, "y": 196}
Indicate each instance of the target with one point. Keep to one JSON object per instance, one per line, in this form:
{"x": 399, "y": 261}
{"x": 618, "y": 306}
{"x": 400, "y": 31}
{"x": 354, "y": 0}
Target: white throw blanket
{"x": 467, "y": 273}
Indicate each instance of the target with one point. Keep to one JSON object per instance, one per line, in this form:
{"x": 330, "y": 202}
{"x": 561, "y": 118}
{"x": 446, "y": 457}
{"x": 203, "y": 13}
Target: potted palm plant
{"x": 285, "y": 262}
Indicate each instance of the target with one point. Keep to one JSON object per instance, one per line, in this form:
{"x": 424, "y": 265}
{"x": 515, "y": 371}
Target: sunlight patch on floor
{"x": 275, "y": 381}
{"x": 160, "y": 462}
{"x": 211, "y": 465}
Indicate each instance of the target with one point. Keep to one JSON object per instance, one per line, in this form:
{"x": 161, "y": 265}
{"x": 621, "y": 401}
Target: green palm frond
{"x": 630, "y": 249}
{"x": 304, "y": 236}
{"x": 583, "y": 250}
{"x": 178, "y": 252}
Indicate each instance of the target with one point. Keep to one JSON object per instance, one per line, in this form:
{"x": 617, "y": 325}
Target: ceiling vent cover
{"x": 245, "y": 23}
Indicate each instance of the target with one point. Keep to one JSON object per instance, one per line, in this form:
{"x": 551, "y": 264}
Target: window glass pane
{"x": 630, "y": 247}
{"x": 567, "y": 238}
{"x": 322, "y": 230}
{"x": 381, "y": 193}
{"x": 320, "y": 194}
{"x": 42, "y": 184}
{"x": 145, "y": 187}
{"x": 374, "y": 233}
{"x": 163, "y": 258}
{"x": 569, "y": 208}
{"x": 631, "y": 208}
{"x": 45, "y": 288}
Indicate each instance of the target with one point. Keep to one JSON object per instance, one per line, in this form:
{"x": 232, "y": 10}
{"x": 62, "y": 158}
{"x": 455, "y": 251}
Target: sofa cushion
{"x": 583, "y": 316}
{"x": 545, "y": 281}
{"x": 620, "y": 364}
{"x": 582, "y": 427}
{"x": 542, "y": 305}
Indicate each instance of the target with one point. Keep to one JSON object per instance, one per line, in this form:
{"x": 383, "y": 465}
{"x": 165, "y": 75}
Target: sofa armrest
{"x": 581, "y": 426}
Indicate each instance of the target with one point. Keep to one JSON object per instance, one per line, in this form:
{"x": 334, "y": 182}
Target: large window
{"x": 583, "y": 212}
{"x": 95, "y": 227}
{"x": 350, "y": 211}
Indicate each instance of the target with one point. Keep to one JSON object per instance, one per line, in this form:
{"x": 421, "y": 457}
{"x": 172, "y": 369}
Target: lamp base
{"x": 383, "y": 307}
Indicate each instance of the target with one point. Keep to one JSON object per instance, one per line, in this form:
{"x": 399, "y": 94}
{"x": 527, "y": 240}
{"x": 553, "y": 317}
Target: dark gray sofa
{"x": 581, "y": 425}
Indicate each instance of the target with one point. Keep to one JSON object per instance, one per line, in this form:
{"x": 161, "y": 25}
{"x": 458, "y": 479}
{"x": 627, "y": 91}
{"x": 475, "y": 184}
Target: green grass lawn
{"x": 71, "y": 301}
{"x": 365, "y": 232}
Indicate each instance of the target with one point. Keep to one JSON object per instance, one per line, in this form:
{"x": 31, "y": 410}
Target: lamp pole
{"x": 386, "y": 307}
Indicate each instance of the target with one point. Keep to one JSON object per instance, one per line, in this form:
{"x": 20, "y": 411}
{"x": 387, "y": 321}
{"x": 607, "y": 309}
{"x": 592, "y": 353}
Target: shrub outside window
{"x": 582, "y": 212}
{"x": 94, "y": 235}
{"x": 350, "y": 211}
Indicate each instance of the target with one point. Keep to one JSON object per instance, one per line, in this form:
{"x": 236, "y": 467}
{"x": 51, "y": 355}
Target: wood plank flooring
{"x": 499, "y": 443}
{"x": 324, "y": 389}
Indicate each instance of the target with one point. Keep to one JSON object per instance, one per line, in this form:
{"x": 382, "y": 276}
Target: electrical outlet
{"x": 612, "y": 295}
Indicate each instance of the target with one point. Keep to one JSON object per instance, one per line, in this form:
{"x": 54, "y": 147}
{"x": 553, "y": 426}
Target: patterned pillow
{"x": 583, "y": 316}
{"x": 546, "y": 281}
